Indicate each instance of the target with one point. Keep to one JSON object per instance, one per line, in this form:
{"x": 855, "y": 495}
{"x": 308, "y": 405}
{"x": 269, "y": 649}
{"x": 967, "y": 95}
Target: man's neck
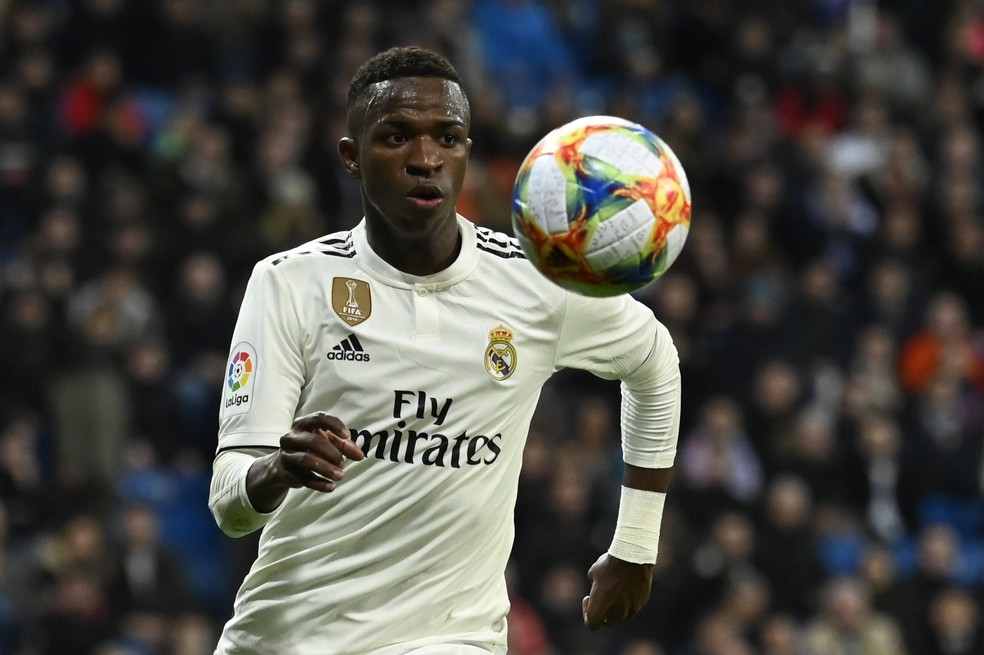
{"x": 423, "y": 257}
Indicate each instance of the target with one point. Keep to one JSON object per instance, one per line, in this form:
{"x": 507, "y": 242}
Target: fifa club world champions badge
{"x": 351, "y": 299}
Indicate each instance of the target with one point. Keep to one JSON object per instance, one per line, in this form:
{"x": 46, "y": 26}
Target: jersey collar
{"x": 379, "y": 269}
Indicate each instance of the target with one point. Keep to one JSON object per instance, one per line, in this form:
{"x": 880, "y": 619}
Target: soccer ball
{"x": 601, "y": 206}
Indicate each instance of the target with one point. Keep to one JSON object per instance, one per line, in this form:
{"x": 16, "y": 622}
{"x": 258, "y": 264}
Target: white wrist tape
{"x": 636, "y": 537}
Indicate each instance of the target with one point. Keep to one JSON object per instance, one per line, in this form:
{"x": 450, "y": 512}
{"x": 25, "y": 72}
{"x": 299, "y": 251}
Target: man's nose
{"x": 424, "y": 157}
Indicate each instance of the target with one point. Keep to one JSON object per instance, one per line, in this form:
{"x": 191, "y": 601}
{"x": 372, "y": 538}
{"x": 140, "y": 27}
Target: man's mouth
{"x": 426, "y": 195}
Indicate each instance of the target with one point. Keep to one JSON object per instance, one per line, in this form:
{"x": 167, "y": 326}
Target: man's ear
{"x": 348, "y": 151}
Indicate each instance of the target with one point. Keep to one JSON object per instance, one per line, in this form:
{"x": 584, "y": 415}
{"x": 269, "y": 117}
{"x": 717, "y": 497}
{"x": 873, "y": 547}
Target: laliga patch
{"x": 240, "y": 378}
{"x": 351, "y": 299}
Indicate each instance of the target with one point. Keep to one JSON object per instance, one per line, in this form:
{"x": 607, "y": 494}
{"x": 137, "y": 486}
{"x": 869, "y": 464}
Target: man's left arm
{"x": 621, "y": 579}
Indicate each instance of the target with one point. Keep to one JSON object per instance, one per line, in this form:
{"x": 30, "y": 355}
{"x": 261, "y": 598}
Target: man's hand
{"x": 311, "y": 455}
{"x": 619, "y": 589}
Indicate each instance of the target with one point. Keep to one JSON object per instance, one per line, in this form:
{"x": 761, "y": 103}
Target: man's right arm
{"x": 228, "y": 498}
{"x": 248, "y": 485}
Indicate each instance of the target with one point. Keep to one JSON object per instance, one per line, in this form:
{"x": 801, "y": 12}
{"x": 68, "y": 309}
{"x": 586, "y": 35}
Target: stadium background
{"x": 828, "y": 306}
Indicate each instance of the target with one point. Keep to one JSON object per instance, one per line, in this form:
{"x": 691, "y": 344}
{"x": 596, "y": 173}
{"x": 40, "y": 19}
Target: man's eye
{"x": 449, "y": 139}
{"x": 397, "y": 138}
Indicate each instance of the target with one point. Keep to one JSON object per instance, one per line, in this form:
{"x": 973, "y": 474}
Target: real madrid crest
{"x": 500, "y": 354}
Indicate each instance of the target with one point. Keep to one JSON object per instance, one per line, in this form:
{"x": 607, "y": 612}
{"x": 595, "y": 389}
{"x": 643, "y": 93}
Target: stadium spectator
{"x": 849, "y": 624}
{"x": 719, "y": 467}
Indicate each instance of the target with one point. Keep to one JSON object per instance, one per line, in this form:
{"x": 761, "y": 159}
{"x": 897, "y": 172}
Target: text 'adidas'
{"x": 350, "y": 350}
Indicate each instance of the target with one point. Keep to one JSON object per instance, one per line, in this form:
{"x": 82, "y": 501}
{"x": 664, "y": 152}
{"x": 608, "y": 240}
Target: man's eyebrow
{"x": 403, "y": 123}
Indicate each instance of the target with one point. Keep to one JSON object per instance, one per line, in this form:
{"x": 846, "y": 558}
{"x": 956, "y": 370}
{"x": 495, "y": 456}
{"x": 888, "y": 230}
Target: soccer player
{"x": 380, "y": 387}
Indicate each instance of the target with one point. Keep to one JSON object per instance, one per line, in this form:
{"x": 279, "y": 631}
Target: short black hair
{"x": 403, "y": 61}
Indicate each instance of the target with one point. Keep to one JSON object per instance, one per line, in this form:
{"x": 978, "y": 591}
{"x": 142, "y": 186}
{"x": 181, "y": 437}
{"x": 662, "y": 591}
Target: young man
{"x": 381, "y": 385}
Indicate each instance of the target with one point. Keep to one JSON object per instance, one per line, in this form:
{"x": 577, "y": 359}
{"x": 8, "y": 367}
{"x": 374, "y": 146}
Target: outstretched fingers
{"x": 320, "y": 421}
{"x": 313, "y": 453}
{"x": 345, "y": 445}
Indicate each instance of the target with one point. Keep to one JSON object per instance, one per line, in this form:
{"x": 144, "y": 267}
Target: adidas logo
{"x": 349, "y": 350}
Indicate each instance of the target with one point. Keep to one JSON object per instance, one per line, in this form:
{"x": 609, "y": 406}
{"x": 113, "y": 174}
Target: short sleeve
{"x": 265, "y": 371}
{"x": 609, "y": 337}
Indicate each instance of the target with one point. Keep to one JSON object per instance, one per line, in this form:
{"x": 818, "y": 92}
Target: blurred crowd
{"x": 828, "y": 306}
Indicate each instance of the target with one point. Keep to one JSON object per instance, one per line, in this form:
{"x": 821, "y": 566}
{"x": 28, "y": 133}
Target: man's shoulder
{"x": 498, "y": 244}
{"x": 334, "y": 245}
{"x": 505, "y": 266}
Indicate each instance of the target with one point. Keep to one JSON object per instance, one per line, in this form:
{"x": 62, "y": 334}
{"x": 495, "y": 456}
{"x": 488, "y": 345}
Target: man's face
{"x": 411, "y": 155}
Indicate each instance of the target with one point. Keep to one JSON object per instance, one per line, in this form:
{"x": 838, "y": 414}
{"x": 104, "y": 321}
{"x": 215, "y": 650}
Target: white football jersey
{"x": 437, "y": 378}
